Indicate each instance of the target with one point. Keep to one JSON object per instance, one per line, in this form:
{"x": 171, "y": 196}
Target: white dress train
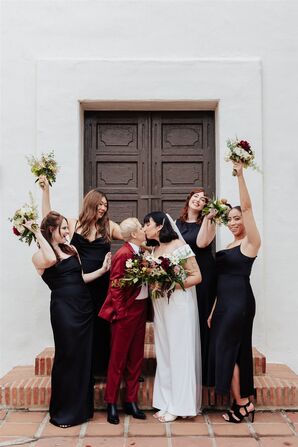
{"x": 177, "y": 385}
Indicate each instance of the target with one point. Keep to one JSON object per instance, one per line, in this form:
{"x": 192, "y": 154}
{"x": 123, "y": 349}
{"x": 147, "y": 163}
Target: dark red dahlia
{"x": 15, "y": 231}
{"x": 165, "y": 262}
{"x": 245, "y": 145}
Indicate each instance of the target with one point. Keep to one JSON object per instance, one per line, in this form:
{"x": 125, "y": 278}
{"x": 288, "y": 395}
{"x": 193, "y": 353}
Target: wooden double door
{"x": 148, "y": 161}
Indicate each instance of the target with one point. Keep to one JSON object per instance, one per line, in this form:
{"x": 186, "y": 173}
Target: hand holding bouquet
{"x": 45, "y": 166}
{"x": 218, "y": 209}
{"x": 161, "y": 274}
{"x": 24, "y": 222}
{"x": 240, "y": 151}
{"x": 137, "y": 271}
{"x": 166, "y": 272}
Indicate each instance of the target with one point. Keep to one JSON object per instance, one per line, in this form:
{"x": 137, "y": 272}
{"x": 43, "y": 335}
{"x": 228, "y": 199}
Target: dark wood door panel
{"x": 147, "y": 161}
{"x": 116, "y": 154}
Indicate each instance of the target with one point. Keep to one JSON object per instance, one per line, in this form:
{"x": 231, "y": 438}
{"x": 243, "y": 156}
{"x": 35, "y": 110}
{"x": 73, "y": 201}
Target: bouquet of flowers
{"x": 165, "y": 273}
{"x": 222, "y": 210}
{"x": 137, "y": 271}
{"x": 46, "y": 165}
{"x": 161, "y": 274}
{"x": 28, "y": 212}
{"x": 240, "y": 151}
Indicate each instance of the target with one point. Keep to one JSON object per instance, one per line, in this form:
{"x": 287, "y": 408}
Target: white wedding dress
{"x": 177, "y": 385}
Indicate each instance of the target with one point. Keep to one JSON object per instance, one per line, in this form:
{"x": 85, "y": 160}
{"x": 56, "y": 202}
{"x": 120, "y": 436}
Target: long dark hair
{"x": 184, "y": 211}
{"x": 49, "y": 224}
{"x": 89, "y": 211}
{"x": 166, "y": 234}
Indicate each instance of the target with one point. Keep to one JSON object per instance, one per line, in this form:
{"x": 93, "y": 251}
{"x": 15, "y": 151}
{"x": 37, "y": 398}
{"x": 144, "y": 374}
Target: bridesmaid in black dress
{"x": 72, "y": 321}
{"x": 91, "y": 234}
{"x": 231, "y": 320}
{"x": 199, "y": 232}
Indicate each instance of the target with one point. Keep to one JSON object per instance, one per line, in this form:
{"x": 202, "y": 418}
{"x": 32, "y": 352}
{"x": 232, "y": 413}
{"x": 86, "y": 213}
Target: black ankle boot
{"x": 133, "y": 409}
{"x": 112, "y": 414}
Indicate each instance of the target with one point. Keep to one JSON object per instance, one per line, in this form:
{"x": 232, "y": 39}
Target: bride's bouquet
{"x": 221, "y": 208}
{"x": 241, "y": 151}
{"x": 28, "y": 212}
{"x": 165, "y": 273}
{"x": 46, "y": 165}
{"x": 161, "y": 274}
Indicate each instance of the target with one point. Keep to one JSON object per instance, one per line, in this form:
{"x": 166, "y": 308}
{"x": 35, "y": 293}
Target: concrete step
{"x": 44, "y": 361}
{"x": 22, "y": 389}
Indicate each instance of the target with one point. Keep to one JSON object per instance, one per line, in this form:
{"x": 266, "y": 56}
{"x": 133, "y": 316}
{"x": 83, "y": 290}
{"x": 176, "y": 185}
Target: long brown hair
{"x": 184, "y": 211}
{"x": 49, "y": 224}
{"x": 88, "y": 213}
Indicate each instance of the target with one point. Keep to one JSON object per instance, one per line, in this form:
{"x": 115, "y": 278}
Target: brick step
{"x": 44, "y": 361}
{"x": 21, "y": 389}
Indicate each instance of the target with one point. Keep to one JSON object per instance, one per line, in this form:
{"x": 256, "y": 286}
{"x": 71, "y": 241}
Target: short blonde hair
{"x": 128, "y": 226}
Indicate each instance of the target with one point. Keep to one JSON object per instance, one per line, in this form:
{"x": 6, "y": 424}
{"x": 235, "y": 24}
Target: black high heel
{"x": 233, "y": 416}
{"x": 249, "y": 414}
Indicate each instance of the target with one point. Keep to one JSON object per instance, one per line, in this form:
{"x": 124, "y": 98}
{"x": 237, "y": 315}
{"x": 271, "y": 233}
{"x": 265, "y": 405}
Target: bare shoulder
{"x": 178, "y": 243}
{"x": 72, "y": 222}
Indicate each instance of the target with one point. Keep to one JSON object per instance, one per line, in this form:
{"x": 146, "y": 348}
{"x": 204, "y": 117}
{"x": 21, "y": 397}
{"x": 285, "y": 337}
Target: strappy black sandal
{"x": 249, "y": 414}
{"x": 233, "y": 416}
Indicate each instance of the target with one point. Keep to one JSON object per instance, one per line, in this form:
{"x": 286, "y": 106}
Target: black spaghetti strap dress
{"x": 206, "y": 289}
{"x": 72, "y": 323}
{"x": 232, "y": 322}
{"x": 92, "y": 255}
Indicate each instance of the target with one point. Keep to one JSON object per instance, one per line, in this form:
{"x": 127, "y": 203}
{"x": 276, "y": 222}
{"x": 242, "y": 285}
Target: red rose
{"x": 245, "y": 145}
{"x": 15, "y": 231}
{"x": 165, "y": 262}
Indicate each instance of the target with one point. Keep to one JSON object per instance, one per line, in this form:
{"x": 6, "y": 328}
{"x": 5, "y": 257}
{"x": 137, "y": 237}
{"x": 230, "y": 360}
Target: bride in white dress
{"x": 177, "y": 386}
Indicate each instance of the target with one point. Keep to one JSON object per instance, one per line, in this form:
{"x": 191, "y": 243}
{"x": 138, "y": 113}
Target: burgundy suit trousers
{"x": 127, "y": 353}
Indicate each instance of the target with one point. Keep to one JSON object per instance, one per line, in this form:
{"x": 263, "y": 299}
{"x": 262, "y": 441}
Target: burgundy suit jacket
{"x": 118, "y": 300}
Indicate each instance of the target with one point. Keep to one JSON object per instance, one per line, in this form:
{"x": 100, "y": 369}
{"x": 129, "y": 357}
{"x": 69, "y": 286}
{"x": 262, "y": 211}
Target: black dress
{"x": 71, "y": 318}
{"x": 232, "y": 321}
{"x": 92, "y": 255}
{"x": 206, "y": 289}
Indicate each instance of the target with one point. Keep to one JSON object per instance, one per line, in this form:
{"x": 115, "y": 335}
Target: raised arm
{"x": 207, "y": 231}
{"x": 45, "y": 256}
{"x": 252, "y": 241}
{"x": 115, "y": 231}
{"x": 45, "y": 187}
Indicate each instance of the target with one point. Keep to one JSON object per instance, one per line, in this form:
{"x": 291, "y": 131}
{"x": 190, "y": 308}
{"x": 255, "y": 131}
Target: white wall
{"x": 241, "y": 55}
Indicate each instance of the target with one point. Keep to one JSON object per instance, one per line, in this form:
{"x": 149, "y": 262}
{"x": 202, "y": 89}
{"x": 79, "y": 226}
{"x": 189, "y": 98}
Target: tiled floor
{"x": 32, "y": 429}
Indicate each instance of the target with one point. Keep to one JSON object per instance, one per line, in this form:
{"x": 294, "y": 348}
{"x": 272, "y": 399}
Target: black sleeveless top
{"x": 232, "y": 261}
{"x": 67, "y": 272}
{"x": 92, "y": 253}
{"x": 189, "y": 232}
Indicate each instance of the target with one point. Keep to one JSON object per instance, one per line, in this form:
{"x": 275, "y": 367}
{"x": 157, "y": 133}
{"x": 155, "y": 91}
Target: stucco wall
{"x": 239, "y": 55}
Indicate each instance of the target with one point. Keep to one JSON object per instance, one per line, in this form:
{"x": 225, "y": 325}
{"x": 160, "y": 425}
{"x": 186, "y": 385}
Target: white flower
{"x": 174, "y": 259}
{"x": 128, "y": 263}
